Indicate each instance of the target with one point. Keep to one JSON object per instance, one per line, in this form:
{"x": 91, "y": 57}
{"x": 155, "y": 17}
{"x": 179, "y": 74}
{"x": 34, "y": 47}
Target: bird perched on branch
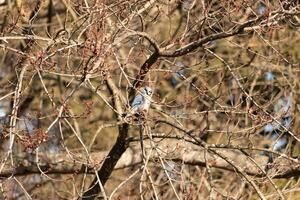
{"x": 141, "y": 102}
{"x": 180, "y": 73}
{"x": 276, "y": 132}
{"x": 278, "y": 137}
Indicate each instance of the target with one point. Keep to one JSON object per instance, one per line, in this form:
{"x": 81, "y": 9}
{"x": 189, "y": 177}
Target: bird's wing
{"x": 280, "y": 144}
{"x": 137, "y": 100}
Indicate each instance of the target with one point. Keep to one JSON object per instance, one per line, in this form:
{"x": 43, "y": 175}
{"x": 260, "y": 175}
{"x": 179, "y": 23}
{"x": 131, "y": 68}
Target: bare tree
{"x": 180, "y": 99}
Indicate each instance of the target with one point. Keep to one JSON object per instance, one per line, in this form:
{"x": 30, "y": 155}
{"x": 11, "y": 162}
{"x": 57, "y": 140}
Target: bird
{"x": 180, "y": 73}
{"x": 177, "y": 77}
{"x": 279, "y": 144}
{"x": 277, "y": 132}
{"x": 278, "y": 137}
{"x": 262, "y": 9}
{"x": 269, "y": 76}
{"x": 141, "y": 102}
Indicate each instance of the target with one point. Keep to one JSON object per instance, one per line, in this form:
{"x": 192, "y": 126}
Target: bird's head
{"x": 148, "y": 91}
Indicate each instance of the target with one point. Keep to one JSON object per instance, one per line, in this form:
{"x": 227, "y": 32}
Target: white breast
{"x": 145, "y": 105}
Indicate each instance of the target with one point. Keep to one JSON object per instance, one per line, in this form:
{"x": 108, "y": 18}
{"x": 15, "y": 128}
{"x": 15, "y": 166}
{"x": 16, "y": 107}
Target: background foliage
{"x": 70, "y": 69}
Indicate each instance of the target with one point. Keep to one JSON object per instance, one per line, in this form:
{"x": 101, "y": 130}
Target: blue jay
{"x": 278, "y": 135}
{"x": 177, "y": 77}
{"x": 280, "y": 142}
{"x": 141, "y": 102}
{"x": 269, "y": 76}
{"x": 180, "y": 73}
{"x": 262, "y": 9}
